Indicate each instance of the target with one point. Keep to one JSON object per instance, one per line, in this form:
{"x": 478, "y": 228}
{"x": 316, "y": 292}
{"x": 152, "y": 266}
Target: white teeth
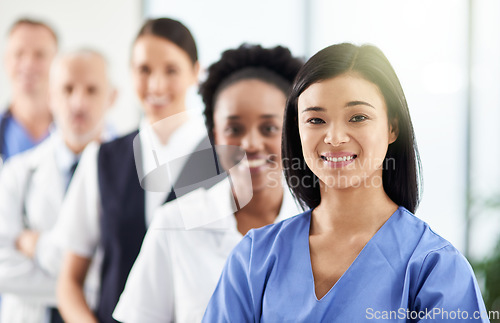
{"x": 339, "y": 159}
{"x": 256, "y": 162}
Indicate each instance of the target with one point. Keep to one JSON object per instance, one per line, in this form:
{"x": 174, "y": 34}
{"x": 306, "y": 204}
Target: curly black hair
{"x": 275, "y": 65}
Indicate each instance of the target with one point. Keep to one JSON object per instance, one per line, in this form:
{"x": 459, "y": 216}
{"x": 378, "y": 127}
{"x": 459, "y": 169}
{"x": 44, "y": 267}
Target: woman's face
{"x": 249, "y": 114}
{"x": 162, "y": 74}
{"x": 345, "y": 131}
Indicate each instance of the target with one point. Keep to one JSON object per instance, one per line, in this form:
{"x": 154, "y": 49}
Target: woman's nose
{"x": 157, "y": 82}
{"x": 336, "y": 135}
{"x": 252, "y": 141}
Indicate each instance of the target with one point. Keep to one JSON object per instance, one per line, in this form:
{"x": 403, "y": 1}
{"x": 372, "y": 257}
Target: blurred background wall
{"x": 446, "y": 53}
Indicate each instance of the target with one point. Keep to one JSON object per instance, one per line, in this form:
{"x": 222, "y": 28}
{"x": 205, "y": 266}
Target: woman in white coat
{"x": 187, "y": 245}
{"x": 107, "y": 209}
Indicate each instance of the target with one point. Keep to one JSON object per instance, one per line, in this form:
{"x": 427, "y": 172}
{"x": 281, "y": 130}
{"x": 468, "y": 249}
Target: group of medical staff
{"x": 158, "y": 224}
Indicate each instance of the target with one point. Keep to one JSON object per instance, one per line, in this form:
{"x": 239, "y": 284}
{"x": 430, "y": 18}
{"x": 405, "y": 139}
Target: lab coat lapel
{"x": 45, "y": 192}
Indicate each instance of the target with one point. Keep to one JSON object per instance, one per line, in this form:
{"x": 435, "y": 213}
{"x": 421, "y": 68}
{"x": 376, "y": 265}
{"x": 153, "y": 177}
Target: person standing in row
{"x": 177, "y": 268}
{"x": 33, "y": 185}
{"x": 31, "y": 47}
{"x": 106, "y": 210}
{"x": 350, "y": 155}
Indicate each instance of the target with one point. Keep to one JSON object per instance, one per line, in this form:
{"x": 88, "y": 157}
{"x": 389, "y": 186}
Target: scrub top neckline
{"x": 353, "y": 264}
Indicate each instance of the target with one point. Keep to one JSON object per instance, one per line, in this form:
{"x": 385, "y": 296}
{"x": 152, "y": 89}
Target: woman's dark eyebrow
{"x": 349, "y": 104}
{"x": 269, "y": 116}
{"x": 317, "y": 109}
{"x": 264, "y": 116}
{"x": 354, "y": 103}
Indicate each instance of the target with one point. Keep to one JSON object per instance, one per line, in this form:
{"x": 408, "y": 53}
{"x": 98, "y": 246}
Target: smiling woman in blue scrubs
{"x": 359, "y": 254}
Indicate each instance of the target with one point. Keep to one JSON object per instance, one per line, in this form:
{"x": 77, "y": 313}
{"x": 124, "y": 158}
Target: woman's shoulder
{"x": 279, "y": 235}
{"x": 439, "y": 275}
{"x": 428, "y": 250}
{"x": 425, "y": 239}
{"x": 283, "y": 226}
{"x": 261, "y": 247}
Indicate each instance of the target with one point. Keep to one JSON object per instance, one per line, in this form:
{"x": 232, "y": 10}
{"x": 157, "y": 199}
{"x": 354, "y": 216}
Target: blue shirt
{"x": 15, "y": 138}
{"x": 406, "y": 272}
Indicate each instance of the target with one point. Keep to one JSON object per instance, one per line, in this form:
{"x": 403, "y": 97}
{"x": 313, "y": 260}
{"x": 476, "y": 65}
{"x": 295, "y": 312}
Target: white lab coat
{"x": 183, "y": 255}
{"x": 28, "y": 285}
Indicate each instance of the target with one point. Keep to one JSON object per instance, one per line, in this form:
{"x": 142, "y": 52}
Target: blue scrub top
{"x": 15, "y": 138}
{"x": 405, "y": 273}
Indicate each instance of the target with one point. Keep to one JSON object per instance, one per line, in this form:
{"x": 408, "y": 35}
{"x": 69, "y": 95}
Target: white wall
{"x": 108, "y": 26}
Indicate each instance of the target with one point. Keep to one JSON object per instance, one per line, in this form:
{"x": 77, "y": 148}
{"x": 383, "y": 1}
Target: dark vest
{"x": 123, "y": 223}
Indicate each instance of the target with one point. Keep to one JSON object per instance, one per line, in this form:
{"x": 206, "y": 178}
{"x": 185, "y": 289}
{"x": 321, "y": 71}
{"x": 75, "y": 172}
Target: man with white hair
{"x": 33, "y": 185}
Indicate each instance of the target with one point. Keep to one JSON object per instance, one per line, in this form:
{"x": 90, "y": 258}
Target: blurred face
{"x": 80, "y": 95}
{"x": 30, "y": 51}
{"x": 162, "y": 74}
{"x": 249, "y": 114}
{"x": 345, "y": 131}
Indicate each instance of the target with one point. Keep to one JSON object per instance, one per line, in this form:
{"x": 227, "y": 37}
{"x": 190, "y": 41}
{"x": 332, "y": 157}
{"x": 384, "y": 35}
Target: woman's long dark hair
{"x": 401, "y": 173}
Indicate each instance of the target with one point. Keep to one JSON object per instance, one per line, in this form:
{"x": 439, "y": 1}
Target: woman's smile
{"x": 338, "y": 159}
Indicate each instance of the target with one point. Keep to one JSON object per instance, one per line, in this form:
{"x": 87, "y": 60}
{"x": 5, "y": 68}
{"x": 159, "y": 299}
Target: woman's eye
{"x": 68, "y": 89}
{"x": 40, "y": 55}
{"x": 171, "y": 71}
{"x": 269, "y": 129}
{"x": 232, "y": 131}
{"x": 92, "y": 90}
{"x": 315, "y": 121}
{"x": 358, "y": 118}
{"x": 144, "y": 70}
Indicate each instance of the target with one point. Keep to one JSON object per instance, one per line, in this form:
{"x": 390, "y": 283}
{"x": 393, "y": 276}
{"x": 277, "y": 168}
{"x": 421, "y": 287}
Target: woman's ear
{"x": 393, "y": 130}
